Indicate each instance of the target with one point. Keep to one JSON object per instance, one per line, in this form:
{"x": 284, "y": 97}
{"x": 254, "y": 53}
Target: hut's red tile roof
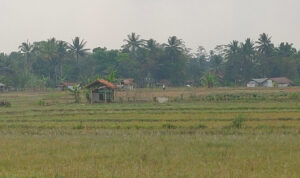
{"x": 106, "y": 83}
{"x": 282, "y": 80}
{"x": 102, "y": 82}
{"x": 128, "y": 81}
{"x": 67, "y": 84}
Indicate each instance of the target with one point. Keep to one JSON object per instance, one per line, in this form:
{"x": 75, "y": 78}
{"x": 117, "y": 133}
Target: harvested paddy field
{"x": 247, "y": 133}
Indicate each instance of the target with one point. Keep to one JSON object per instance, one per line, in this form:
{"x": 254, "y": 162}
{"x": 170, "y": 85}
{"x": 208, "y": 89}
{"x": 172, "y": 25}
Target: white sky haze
{"x": 107, "y": 22}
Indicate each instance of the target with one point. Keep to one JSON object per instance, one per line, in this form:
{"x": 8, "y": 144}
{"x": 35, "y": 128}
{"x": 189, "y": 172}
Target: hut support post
{"x": 91, "y": 96}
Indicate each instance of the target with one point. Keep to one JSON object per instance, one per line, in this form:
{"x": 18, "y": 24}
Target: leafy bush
{"x": 5, "y": 104}
{"x": 154, "y": 99}
{"x": 169, "y": 126}
{"x": 238, "y": 122}
{"x": 87, "y": 96}
{"x": 283, "y": 96}
{"x": 76, "y": 92}
{"x": 182, "y": 97}
{"x": 200, "y": 126}
{"x": 210, "y": 80}
{"x": 79, "y": 126}
{"x": 42, "y": 103}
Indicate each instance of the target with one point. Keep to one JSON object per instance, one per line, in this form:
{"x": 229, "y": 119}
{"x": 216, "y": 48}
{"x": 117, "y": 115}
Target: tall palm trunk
{"x": 77, "y": 57}
{"x": 27, "y": 67}
{"x": 60, "y": 70}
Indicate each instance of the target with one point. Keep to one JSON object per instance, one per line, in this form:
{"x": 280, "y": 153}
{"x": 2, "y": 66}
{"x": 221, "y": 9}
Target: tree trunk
{"x": 77, "y": 56}
{"x": 60, "y": 68}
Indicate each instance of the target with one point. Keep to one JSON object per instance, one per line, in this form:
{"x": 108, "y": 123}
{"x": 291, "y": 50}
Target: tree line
{"x": 50, "y": 62}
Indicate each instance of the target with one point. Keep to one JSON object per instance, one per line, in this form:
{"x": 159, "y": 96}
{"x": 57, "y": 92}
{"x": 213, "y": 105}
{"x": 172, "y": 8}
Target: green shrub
{"x": 79, "y": 126}
{"x": 5, "y": 104}
{"x": 76, "y": 92}
{"x": 181, "y": 97}
{"x": 154, "y": 99}
{"x": 200, "y": 126}
{"x": 238, "y": 122}
{"x": 169, "y": 126}
{"x": 42, "y": 103}
{"x": 87, "y": 96}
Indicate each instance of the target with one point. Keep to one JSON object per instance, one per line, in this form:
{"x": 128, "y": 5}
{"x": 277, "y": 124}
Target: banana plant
{"x": 76, "y": 92}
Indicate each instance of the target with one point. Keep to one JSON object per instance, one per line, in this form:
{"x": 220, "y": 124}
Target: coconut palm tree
{"x": 248, "y": 50}
{"x": 62, "y": 51}
{"x": 151, "y": 45}
{"x": 133, "y": 43}
{"x": 216, "y": 61}
{"x": 26, "y": 48}
{"x": 264, "y": 45}
{"x": 174, "y": 47}
{"x": 286, "y": 50}
{"x": 232, "y": 49}
{"x": 78, "y": 48}
{"x": 49, "y": 51}
{"x": 247, "y": 59}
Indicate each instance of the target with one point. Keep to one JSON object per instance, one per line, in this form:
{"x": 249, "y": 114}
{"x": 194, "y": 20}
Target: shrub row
{"x": 243, "y": 97}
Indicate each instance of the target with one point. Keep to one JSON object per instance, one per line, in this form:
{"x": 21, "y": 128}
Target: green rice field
{"x": 198, "y": 133}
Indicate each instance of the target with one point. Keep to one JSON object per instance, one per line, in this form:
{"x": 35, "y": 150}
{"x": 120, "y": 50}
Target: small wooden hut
{"x": 2, "y": 87}
{"x": 101, "y": 91}
{"x": 66, "y": 85}
{"x": 127, "y": 84}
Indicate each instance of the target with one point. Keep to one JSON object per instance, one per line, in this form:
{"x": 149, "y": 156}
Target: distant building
{"x": 66, "y": 85}
{"x": 260, "y": 82}
{"x": 127, "y": 84}
{"x": 2, "y": 87}
{"x": 270, "y": 82}
{"x": 282, "y": 82}
{"x": 101, "y": 91}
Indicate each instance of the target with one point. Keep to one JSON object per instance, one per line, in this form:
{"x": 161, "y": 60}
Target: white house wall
{"x": 251, "y": 85}
{"x": 268, "y": 83}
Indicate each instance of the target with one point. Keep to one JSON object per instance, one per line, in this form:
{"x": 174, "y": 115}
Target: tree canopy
{"x": 150, "y": 63}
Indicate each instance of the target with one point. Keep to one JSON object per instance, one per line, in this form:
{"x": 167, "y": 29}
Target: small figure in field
{"x": 164, "y": 87}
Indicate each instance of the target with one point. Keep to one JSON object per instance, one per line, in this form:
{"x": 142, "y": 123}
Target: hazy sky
{"x": 107, "y": 22}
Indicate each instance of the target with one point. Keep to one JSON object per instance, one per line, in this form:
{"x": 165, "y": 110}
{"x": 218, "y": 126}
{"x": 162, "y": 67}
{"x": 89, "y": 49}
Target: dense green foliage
{"x": 48, "y": 63}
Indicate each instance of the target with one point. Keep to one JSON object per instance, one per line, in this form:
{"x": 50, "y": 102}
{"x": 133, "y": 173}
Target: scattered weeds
{"x": 42, "y": 103}
{"x": 79, "y": 126}
{"x": 5, "y": 104}
{"x": 199, "y": 126}
{"x": 238, "y": 122}
{"x": 169, "y": 126}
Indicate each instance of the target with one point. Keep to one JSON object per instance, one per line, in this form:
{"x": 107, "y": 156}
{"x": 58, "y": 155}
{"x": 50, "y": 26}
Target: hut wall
{"x": 95, "y": 97}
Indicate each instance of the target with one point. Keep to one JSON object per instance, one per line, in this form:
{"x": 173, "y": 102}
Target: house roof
{"x": 66, "y": 84}
{"x": 101, "y": 82}
{"x": 260, "y": 80}
{"x": 128, "y": 81}
{"x": 282, "y": 80}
